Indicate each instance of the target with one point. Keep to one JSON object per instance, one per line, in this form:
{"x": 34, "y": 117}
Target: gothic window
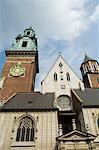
{"x": 25, "y": 130}
{"x": 24, "y": 44}
{"x": 87, "y": 68}
{"x": 94, "y": 67}
{"x": 98, "y": 122}
{"x": 55, "y": 76}
{"x": 68, "y": 76}
{"x": 82, "y": 71}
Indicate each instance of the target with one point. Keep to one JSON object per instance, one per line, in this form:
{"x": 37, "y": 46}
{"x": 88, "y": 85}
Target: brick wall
{"x": 23, "y": 83}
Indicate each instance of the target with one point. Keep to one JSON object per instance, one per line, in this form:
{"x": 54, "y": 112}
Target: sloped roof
{"x": 89, "y": 97}
{"x": 30, "y": 101}
{"x": 60, "y": 56}
{"x": 87, "y": 58}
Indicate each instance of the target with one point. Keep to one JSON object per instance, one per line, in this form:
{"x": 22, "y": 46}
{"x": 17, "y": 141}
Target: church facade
{"x": 63, "y": 116}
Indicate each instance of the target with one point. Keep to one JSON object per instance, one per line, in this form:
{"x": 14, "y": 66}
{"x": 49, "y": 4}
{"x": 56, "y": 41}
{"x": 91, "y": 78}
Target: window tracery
{"x": 25, "y": 130}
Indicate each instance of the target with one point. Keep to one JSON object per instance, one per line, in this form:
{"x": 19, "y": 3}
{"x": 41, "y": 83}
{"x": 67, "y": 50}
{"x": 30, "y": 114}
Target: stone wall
{"x": 46, "y": 131}
{"x": 91, "y": 116}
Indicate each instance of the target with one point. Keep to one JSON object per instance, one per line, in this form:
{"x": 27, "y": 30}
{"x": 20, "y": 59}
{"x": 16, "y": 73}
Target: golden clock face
{"x": 17, "y": 70}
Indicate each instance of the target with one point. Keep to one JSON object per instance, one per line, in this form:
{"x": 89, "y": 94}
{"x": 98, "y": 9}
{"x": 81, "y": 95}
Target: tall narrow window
{"x": 68, "y": 76}
{"x": 94, "y": 67}
{"x": 25, "y": 131}
{"x": 55, "y": 76}
{"x": 87, "y": 67}
{"x": 98, "y": 122}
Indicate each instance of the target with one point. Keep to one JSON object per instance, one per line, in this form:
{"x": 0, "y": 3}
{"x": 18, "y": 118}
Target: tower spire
{"x": 90, "y": 72}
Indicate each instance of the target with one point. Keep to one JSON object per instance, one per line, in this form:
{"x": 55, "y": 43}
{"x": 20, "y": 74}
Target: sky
{"x": 69, "y": 27}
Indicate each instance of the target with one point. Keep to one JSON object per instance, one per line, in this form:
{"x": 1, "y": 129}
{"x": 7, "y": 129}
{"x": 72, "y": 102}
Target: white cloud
{"x": 95, "y": 14}
{"x": 60, "y": 20}
{"x": 65, "y": 19}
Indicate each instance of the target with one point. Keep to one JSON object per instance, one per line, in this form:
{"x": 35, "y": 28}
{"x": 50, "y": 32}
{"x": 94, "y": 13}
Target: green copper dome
{"x": 25, "y": 42}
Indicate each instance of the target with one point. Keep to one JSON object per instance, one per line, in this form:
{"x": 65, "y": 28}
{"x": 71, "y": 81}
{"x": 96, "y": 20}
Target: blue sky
{"x": 67, "y": 26}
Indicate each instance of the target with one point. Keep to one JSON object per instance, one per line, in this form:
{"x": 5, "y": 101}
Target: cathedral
{"x": 64, "y": 115}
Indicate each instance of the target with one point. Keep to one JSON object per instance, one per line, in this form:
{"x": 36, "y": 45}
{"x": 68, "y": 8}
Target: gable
{"x": 76, "y": 136}
{"x": 66, "y": 67}
{"x": 62, "y": 85}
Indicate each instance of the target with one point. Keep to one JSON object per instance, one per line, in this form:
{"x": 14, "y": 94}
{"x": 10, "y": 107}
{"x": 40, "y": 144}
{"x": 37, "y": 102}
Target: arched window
{"x": 55, "y": 76}
{"x": 98, "y": 122}
{"x": 68, "y": 76}
{"x": 94, "y": 67}
{"x": 25, "y": 130}
{"x": 87, "y": 67}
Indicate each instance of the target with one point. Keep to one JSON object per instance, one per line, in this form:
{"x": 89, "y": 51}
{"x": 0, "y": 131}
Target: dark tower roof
{"x": 87, "y": 58}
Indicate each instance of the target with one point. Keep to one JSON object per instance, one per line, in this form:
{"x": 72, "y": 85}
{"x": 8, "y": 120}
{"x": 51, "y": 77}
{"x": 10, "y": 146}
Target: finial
{"x": 85, "y": 52}
{"x": 59, "y": 53}
{"x": 30, "y": 27}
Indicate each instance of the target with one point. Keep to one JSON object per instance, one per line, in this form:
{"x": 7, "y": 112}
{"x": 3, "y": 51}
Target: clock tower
{"x": 21, "y": 66}
{"x": 90, "y": 72}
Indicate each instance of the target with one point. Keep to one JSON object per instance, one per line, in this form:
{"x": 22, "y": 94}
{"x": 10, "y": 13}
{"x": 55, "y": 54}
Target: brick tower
{"x": 90, "y": 72}
{"x": 21, "y": 66}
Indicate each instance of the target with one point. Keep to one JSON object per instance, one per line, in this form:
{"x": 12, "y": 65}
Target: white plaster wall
{"x": 49, "y": 85}
{"x": 47, "y": 130}
{"x": 90, "y": 118}
{"x": 81, "y": 119}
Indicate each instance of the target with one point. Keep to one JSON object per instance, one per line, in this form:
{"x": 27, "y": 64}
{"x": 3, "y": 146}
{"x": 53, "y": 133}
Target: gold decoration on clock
{"x": 17, "y": 70}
